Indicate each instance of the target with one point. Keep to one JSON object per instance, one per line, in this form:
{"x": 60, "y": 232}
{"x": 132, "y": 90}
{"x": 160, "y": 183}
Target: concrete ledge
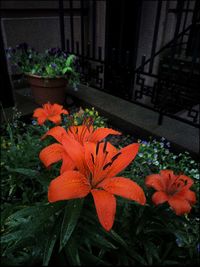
{"x": 139, "y": 121}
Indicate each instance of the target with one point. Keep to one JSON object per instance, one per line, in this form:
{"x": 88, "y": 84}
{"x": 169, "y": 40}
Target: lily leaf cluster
{"x": 70, "y": 197}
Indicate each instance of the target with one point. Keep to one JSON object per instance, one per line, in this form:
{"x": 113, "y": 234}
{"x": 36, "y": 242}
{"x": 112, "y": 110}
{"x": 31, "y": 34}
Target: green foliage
{"x": 51, "y": 63}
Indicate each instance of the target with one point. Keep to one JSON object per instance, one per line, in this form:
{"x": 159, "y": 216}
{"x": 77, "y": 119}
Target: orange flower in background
{"x": 175, "y": 189}
{"x": 51, "y": 112}
{"x": 82, "y": 133}
{"x": 97, "y": 165}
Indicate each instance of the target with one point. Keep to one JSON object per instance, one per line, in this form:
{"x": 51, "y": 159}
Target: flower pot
{"x": 45, "y": 90}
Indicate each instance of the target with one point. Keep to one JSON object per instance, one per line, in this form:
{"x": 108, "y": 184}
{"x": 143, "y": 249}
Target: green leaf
{"x": 51, "y": 242}
{"x": 27, "y": 172}
{"x": 97, "y": 238}
{"x": 6, "y": 238}
{"x": 119, "y": 240}
{"x": 7, "y": 211}
{"x": 131, "y": 252}
{"x": 67, "y": 69}
{"x": 88, "y": 258}
{"x": 71, "y": 215}
{"x": 30, "y": 219}
{"x": 72, "y": 253}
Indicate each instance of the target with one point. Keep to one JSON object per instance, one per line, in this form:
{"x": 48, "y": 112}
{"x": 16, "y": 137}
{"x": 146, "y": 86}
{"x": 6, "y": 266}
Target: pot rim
{"x": 44, "y": 77}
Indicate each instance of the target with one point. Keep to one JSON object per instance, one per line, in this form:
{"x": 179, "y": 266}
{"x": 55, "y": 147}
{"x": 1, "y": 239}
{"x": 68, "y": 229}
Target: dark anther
{"x": 97, "y": 148}
{"x": 116, "y": 156}
{"x": 106, "y": 166}
{"x": 69, "y": 129}
{"x": 92, "y": 158}
{"x": 104, "y": 147}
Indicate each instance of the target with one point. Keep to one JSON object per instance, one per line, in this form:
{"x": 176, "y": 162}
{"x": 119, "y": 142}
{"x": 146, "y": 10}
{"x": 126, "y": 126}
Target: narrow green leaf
{"x": 97, "y": 238}
{"x": 119, "y": 240}
{"x": 148, "y": 255}
{"x": 37, "y": 212}
{"x": 71, "y": 250}
{"x": 8, "y": 237}
{"x": 71, "y": 215}
{"x": 26, "y": 172}
{"x": 51, "y": 242}
{"x": 88, "y": 258}
{"x": 131, "y": 252}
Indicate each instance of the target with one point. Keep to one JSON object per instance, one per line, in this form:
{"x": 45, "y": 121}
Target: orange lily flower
{"x": 51, "y": 112}
{"x": 82, "y": 133}
{"x": 175, "y": 189}
{"x": 97, "y": 165}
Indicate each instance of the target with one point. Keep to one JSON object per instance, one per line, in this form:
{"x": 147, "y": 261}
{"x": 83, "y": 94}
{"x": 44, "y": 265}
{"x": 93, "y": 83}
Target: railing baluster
{"x": 68, "y": 48}
{"x": 82, "y": 28}
{"x": 88, "y": 49}
{"x": 62, "y": 24}
{"x": 99, "y": 53}
{"x": 77, "y": 48}
{"x": 184, "y": 24}
{"x": 71, "y": 25}
{"x": 94, "y": 28}
{"x": 155, "y": 35}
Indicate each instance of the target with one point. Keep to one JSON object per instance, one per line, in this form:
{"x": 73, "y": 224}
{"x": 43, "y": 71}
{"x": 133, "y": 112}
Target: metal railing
{"x": 165, "y": 80}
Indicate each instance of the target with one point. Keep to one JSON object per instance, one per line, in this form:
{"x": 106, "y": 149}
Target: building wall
{"x": 41, "y": 29}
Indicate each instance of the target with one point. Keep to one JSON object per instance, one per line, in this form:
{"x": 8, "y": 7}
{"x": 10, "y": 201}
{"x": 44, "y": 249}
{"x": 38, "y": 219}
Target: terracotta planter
{"x": 45, "y": 90}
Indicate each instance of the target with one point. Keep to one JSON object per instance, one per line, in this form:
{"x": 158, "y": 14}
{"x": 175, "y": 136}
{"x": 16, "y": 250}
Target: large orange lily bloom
{"x": 51, "y": 112}
{"x": 174, "y": 189}
{"x": 82, "y": 133}
{"x": 97, "y": 165}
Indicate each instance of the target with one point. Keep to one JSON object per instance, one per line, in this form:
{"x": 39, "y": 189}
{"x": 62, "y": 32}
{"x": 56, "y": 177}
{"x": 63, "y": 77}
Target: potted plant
{"x": 48, "y": 73}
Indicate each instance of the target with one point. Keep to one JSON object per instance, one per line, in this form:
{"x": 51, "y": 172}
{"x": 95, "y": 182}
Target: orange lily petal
{"x": 188, "y": 195}
{"x": 59, "y": 109}
{"x": 41, "y": 119}
{"x": 38, "y": 112}
{"x": 167, "y": 173}
{"x": 76, "y": 152}
{"x": 180, "y": 206}
{"x": 105, "y": 204}
{"x": 57, "y": 132}
{"x": 159, "y": 198}
{"x": 128, "y": 153}
{"x": 67, "y": 163}
{"x": 55, "y": 119}
{"x": 69, "y": 185}
{"x": 187, "y": 180}
{"x": 155, "y": 181}
{"x": 167, "y": 177}
{"x": 124, "y": 187}
{"x": 101, "y": 133}
{"x": 90, "y": 155}
{"x": 51, "y": 154}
